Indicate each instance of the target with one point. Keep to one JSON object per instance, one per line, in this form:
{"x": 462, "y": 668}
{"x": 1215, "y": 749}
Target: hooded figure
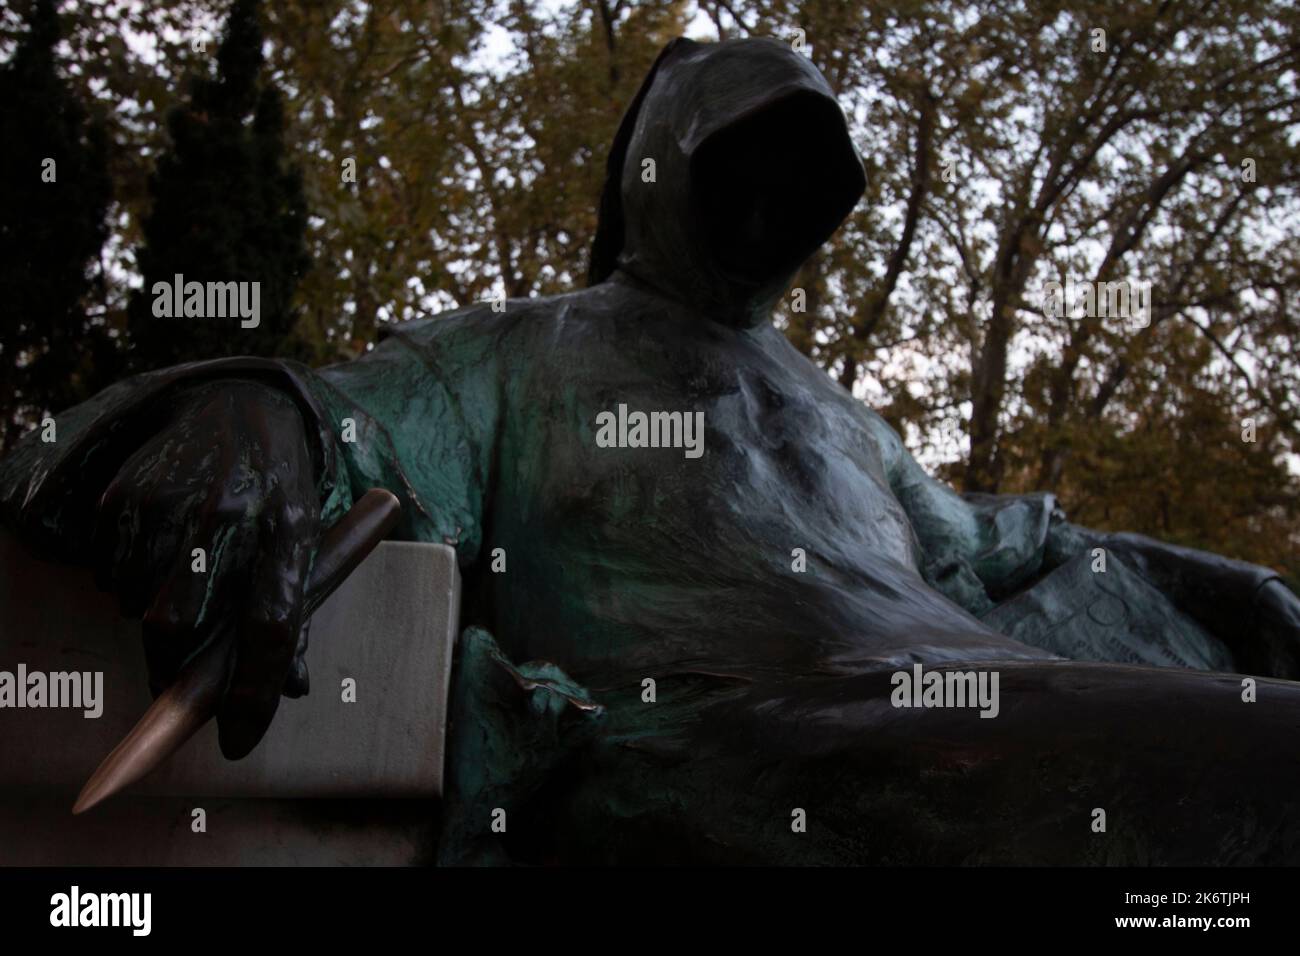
{"x": 734, "y": 621}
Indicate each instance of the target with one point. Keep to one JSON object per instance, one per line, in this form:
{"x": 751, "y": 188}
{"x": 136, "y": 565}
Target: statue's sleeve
{"x": 408, "y": 416}
{"x": 419, "y": 415}
{"x": 975, "y": 549}
{"x": 1016, "y": 563}
{"x": 52, "y": 479}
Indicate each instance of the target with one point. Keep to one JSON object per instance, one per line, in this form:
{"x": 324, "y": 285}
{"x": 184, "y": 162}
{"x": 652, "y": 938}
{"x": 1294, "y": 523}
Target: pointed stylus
{"x": 192, "y": 698}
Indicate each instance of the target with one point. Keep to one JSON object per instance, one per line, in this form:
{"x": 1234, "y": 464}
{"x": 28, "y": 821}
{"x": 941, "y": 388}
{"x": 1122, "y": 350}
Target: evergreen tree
{"x": 56, "y": 189}
{"x": 227, "y": 207}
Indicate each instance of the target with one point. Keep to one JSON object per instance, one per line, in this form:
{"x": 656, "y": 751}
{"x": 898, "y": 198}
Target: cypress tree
{"x": 56, "y": 189}
{"x": 226, "y": 207}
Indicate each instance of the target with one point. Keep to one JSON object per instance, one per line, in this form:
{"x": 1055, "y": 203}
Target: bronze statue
{"x": 722, "y": 656}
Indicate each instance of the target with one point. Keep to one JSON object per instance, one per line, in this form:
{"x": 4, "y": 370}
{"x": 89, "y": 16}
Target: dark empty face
{"x": 772, "y": 186}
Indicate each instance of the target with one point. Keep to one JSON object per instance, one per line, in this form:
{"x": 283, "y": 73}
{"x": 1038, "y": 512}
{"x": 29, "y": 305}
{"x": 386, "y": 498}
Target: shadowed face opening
{"x": 772, "y": 187}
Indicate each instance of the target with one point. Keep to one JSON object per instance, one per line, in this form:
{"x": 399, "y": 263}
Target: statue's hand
{"x": 207, "y": 532}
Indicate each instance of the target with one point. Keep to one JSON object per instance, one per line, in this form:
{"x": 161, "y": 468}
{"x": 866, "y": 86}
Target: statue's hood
{"x": 753, "y": 170}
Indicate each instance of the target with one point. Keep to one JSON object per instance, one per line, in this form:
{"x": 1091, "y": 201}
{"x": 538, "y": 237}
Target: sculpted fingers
{"x": 298, "y": 683}
{"x": 270, "y": 618}
{"x": 186, "y": 613}
{"x": 143, "y": 519}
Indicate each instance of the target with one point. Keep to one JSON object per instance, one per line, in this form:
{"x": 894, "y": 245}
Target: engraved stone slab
{"x": 390, "y": 627}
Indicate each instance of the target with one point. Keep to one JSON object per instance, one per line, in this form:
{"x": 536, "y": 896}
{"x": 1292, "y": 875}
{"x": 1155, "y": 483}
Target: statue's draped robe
{"x": 627, "y": 565}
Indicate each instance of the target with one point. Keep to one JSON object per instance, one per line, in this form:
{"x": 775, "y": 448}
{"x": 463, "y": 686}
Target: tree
{"x": 227, "y": 207}
{"x": 1007, "y": 144}
{"x": 52, "y": 354}
{"x": 477, "y": 172}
